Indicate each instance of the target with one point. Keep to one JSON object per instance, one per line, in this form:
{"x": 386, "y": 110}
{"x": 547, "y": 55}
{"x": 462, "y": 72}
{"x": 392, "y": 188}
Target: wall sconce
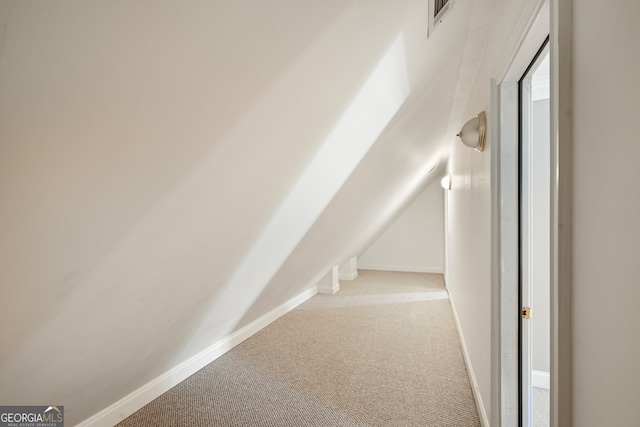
{"x": 473, "y": 134}
{"x": 446, "y": 182}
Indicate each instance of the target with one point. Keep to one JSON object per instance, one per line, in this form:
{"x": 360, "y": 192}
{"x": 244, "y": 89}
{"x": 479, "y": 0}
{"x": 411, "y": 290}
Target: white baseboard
{"x": 541, "y": 379}
{"x": 351, "y": 276}
{"x": 329, "y": 290}
{"x": 129, "y": 404}
{"x": 482, "y": 413}
{"x": 400, "y": 268}
{"x": 329, "y": 284}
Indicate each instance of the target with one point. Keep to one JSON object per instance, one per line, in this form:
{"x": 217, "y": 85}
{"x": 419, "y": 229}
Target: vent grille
{"x": 438, "y": 6}
{"x": 437, "y": 10}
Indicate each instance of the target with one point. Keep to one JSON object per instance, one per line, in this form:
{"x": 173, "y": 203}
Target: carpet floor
{"x": 541, "y": 407}
{"x": 383, "y": 351}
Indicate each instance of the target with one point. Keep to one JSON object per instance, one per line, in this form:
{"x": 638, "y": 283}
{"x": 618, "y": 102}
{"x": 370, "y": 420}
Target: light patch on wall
{"x": 410, "y": 188}
{"x": 359, "y": 127}
{"x": 413, "y": 185}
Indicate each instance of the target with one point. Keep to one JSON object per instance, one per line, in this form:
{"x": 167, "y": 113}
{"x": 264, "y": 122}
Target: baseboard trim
{"x": 129, "y": 404}
{"x": 482, "y": 413}
{"x": 329, "y": 290}
{"x": 351, "y": 276}
{"x": 541, "y": 379}
{"x": 401, "y": 269}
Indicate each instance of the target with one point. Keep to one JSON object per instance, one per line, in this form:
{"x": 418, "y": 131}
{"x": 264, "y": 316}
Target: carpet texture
{"x": 541, "y": 407}
{"x": 383, "y": 351}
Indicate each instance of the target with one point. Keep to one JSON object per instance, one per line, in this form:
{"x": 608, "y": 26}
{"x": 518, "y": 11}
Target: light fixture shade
{"x": 473, "y": 133}
{"x": 446, "y": 182}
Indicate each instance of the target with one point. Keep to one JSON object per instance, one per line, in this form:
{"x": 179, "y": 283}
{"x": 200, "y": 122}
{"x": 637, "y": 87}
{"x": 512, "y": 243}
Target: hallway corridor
{"x": 383, "y": 351}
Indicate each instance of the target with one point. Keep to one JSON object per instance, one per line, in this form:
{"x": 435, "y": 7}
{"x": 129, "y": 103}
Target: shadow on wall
{"x": 146, "y": 173}
{"x": 372, "y": 198}
{"x": 134, "y": 167}
{"x": 129, "y": 197}
{"x": 353, "y": 135}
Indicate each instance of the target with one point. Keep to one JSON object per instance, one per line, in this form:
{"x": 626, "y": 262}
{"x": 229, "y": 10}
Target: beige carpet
{"x": 541, "y": 407}
{"x": 382, "y": 352}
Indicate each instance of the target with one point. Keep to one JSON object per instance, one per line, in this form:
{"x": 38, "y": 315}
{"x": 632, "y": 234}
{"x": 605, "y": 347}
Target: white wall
{"x": 469, "y": 212}
{"x": 171, "y": 171}
{"x": 414, "y": 241}
{"x": 606, "y": 208}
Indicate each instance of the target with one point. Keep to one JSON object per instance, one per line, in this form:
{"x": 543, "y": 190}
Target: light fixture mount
{"x": 474, "y": 132}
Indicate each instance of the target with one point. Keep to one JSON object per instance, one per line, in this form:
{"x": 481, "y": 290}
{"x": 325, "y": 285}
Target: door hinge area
{"x": 526, "y": 312}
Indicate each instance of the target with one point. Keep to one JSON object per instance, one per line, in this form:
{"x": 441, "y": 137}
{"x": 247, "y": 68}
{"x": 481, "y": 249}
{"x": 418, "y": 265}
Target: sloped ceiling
{"x": 170, "y": 171}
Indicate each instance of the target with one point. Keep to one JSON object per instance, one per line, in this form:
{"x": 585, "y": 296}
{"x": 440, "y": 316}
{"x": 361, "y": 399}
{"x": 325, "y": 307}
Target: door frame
{"x": 528, "y": 180}
{"x": 540, "y": 18}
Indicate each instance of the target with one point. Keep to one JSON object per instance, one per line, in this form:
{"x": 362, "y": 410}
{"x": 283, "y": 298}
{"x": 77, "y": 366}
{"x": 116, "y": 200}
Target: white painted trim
{"x": 351, "y": 276}
{"x": 560, "y": 29}
{"x": 132, "y": 402}
{"x": 525, "y": 39}
{"x": 506, "y": 275}
{"x": 561, "y": 212}
{"x": 329, "y": 284}
{"x": 404, "y": 269}
{"x": 329, "y": 290}
{"x": 517, "y": 39}
{"x": 496, "y": 263}
{"x": 482, "y": 413}
{"x": 540, "y": 379}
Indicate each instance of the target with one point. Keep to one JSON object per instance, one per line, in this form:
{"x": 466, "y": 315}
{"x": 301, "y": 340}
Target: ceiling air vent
{"x": 437, "y": 10}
